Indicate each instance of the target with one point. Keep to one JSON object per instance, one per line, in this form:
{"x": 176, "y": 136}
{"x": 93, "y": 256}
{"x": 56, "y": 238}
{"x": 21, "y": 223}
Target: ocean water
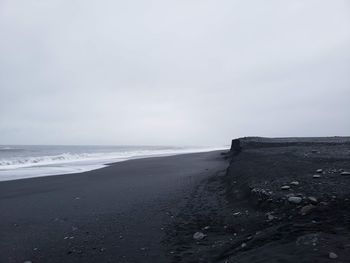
{"x": 17, "y": 162}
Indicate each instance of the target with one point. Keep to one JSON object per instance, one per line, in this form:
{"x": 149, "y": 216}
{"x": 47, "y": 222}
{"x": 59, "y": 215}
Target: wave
{"x": 66, "y": 158}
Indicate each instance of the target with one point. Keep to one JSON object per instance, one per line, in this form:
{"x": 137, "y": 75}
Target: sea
{"x": 27, "y": 161}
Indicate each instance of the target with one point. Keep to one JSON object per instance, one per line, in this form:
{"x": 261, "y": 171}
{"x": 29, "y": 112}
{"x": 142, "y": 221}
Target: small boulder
{"x": 332, "y": 255}
{"x": 319, "y": 171}
{"x": 294, "y": 183}
{"x": 316, "y": 176}
{"x": 295, "y": 199}
{"x": 345, "y": 173}
{"x": 198, "y": 236}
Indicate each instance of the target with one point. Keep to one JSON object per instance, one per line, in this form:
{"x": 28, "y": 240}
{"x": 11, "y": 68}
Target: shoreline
{"x": 81, "y": 166}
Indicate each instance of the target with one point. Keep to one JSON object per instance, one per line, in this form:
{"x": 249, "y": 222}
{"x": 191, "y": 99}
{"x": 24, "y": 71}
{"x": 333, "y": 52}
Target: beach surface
{"x": 264, "y": 201}
{"x": 116, "y": 214}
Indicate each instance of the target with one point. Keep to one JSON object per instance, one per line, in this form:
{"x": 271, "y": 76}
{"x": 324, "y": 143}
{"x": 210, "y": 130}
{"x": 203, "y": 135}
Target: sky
{"x": 172, "y": 72}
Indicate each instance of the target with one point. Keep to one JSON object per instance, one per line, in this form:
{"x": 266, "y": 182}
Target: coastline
{"x": 265, "y": 200}
{"x": 72, "y": 163}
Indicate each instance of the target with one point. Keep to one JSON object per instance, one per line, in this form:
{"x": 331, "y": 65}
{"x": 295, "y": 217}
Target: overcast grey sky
{"x": 172, "y": 72}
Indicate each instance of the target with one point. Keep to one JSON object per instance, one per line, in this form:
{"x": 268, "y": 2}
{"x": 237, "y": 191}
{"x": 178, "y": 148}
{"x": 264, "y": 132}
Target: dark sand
{"x": 116, "y": 214}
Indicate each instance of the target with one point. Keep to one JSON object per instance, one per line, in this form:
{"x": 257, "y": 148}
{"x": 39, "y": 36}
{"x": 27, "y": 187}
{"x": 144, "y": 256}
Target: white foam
{"x": 69, "y": 163}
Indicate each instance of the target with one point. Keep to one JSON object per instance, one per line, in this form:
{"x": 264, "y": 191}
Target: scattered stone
{"x": 285, "y": 187}
{"x": 312, "y": 199}
{"x": 198, "y": 236}
{"x": 316, "y": 176}
{"x": 319, "y": 171}
{"x": 332, "y": 255}
{"x": 307, "y": 209}
{"x": 295, "y": 199}
{"x": 294, "y": 183}
{"x": 345, "y": 173}
{"x": 270, "y": 217}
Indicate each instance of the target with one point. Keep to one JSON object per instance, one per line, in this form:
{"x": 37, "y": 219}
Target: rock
{"x": 316, "y": 176}
{"x": 345, "y": 173}
{"x": 27, "y": 261}
{"x": 312, "y": 199}
{"x": 307, "y": 209}
{"x": 235, "y": 147}
{"x": 243, "y": 245}
{"x": 332, "y": 255}
{"x": 294, "y": 183}
{"x": 206, "y": 227}
{"x": 270, "y": 217}
{"x": 198, "y": 236}
{"x": 237, "y": 214}
{"x": 285, "y": 187}
{"x": 295, "y": 199}
{"x": 319, "y": 171}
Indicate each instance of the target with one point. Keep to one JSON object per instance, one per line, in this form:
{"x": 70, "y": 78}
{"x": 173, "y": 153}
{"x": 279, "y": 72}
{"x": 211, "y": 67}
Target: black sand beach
{"x": 115, "y": 214}
{"x": 266, "y": 200}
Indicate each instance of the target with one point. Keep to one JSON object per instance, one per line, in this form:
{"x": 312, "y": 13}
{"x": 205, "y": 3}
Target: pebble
{"x": 307, "y": 209}
{"x": 295, "y": 199}
{"x": 198, "y": 236}
{"x": 345, "y": 173}
{"x": 312, "y": 199}
{"x": 285, "y": 187}
{"x": 316, "y": 176}
{"x": 294, "y": 183}
{"x": 270, "y": 217}
{"x": 332, "y": 255}
{"x": 319, "y": 171}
